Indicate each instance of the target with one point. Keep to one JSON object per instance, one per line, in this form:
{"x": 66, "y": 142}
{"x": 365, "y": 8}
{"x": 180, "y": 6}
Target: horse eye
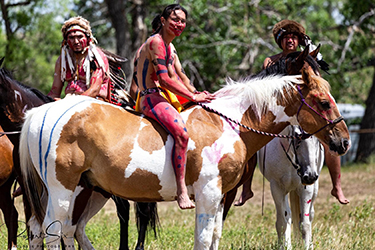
{"x": 325, "y": 105}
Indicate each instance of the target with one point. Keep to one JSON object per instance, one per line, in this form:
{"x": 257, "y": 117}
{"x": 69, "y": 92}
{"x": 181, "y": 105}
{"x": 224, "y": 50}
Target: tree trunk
{"x": 129, "y": 37}
{"x": 366, "y": 144}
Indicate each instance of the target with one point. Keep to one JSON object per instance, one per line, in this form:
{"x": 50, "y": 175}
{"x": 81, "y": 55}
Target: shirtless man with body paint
{"x": 152, "y": 67}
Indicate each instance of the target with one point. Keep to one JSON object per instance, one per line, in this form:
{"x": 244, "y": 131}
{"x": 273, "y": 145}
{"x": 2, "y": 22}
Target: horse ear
{"x": 306, "y": 76}
{"x": 300, "y": 60}
{"x": 315, "y": 52}
{"x": 1, "y": 61}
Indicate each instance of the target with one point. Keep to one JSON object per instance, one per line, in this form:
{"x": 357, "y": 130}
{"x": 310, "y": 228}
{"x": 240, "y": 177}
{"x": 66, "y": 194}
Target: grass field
{"x": 252, "y": 226}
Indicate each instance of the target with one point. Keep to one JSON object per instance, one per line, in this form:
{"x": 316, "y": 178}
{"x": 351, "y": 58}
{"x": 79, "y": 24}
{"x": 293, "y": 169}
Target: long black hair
{"x": 156, "y": 22}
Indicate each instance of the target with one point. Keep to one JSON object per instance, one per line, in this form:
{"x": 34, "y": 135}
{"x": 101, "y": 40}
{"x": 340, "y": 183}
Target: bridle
{"x": 294, "y": 145}
{"x": 302, "y": 136}
{"x": 330, "y": 122}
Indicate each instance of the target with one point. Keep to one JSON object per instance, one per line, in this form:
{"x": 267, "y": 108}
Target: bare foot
{"x": 243, "y": 198}
{"x": 339, "y": 196}
{"x": 16, "y": 193}
{"x": 184, "y": 202}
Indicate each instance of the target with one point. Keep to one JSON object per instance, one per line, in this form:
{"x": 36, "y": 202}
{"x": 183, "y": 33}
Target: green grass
{"x": 252, "y": 226}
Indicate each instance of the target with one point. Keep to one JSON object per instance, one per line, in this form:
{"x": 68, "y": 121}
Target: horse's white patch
{"x": 17, "y": 95}
{"x": 158, "y": 162}
{"x": 64, "y": 204}
{"x": 223, "y": 145}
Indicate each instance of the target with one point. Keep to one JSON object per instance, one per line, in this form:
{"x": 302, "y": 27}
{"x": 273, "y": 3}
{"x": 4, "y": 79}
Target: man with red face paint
{"x": 156, "y": 87}
{"x": 81, "y": 64}
{"x": 289, "y": 35}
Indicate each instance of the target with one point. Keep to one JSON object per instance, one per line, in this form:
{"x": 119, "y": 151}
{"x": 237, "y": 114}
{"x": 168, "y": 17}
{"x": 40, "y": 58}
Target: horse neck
{"x": 272, "y": 122}
{"x": 9, "y": 126}
{"x": 12, "y": 115}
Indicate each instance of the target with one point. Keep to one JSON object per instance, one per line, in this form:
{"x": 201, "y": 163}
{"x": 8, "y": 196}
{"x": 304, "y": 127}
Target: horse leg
{"x": 283, "y": 216}
{"x": 305, "y": 201}
{"x": 57, "y": 224}
{"x": 206, "y": 213}
{"x": 10, "y": 212}
{"x": 228, "y": 201}
{"x": 247, "y": 176}
{"x": 95, "y": 202}
{"x": 218, "y": 228}
{"x": 36, "y": 234}
{"x": 122, "y": 207}
{"x": 146, "y": 214}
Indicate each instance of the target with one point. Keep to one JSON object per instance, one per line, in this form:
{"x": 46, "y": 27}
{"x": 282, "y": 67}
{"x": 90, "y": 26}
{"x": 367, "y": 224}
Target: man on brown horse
{"x": 81, "y": 64}
{"x": 289, "y": 35}
{"x": 157, "y": 89}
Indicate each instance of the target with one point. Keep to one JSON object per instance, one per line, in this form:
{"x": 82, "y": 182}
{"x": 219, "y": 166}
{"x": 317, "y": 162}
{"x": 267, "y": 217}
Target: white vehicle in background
{"x": 352, "y": 114}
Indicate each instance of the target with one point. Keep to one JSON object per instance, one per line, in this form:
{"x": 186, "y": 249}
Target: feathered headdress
{"x": 81, "y": 24}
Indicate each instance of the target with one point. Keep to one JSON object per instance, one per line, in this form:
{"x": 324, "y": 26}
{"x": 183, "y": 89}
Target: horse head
{"x": 305, "y": 155}
{"x": 318, "y": 109}
{"x": 16, "y": 98}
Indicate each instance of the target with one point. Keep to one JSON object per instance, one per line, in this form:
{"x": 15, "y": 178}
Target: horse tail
{"x": 35, "y": 190}
{"x": 147, "y": 217}
{"x": 296, "y": 211}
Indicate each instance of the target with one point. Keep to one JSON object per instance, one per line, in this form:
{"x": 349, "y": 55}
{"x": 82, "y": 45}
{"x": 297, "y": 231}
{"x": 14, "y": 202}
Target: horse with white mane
{"x": 129, "y": 155}
{"x": 292, "y": 167}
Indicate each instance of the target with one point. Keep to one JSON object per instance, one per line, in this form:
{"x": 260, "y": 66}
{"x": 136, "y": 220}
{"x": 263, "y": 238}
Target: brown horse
{"x": 7, "y": 178}
{"x": 69, "y": 139}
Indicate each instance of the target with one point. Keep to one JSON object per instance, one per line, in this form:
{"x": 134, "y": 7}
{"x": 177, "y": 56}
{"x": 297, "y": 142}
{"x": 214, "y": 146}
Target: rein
{"x": 302, "y": 136}
{"x": 295, "y": 164}
{"x": 246, "y": 127}
{"x": 9, "y": 133}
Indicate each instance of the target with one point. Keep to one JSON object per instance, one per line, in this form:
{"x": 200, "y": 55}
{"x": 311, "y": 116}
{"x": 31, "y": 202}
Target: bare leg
{"x": 247, "y": 193}
{"x": 157, "y": 108}
{"x": 334, "y": 166}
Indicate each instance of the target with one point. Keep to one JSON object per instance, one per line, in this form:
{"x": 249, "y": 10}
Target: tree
{"x": 360, "y": 44}
{"x": 32, "y": 41}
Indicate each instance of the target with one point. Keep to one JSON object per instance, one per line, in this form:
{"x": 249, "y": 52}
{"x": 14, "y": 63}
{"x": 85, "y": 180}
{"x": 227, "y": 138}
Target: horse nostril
{"x": 346, "y": 143}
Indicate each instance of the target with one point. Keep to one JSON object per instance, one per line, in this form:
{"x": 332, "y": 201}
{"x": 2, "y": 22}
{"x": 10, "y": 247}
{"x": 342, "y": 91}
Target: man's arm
{"x": 266, "y": 62}
{"x": 57, "y": 84}
{"x": 157, "y": 51}
{"x": 181, "y": 74}
{"x": 96, "y": 81}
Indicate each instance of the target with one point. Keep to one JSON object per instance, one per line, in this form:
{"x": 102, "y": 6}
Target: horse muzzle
{"x": 309, "y": 178}
{"x": 341, "y": 146}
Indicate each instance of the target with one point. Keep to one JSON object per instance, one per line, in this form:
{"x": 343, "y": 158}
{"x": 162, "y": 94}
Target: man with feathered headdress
{"x": 81, "y": 64}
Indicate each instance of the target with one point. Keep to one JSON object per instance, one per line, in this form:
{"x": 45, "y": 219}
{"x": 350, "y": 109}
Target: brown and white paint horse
{"x": 128, "y": 155}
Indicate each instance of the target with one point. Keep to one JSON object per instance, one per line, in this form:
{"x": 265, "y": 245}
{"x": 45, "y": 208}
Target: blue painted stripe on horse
{"x": 52, "y": 130}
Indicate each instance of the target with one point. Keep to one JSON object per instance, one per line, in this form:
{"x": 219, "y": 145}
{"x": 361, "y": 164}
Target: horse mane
{"x": 280, "y": 66}
{"x": 260, "y": 91}
{"x": 268, "y": 83}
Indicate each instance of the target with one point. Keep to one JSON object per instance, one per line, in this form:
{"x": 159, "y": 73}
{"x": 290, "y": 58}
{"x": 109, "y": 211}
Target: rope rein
{"x": 247, "y": 127}
{"x": 9, "y": 133}
{"x": 302, "y": 136}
